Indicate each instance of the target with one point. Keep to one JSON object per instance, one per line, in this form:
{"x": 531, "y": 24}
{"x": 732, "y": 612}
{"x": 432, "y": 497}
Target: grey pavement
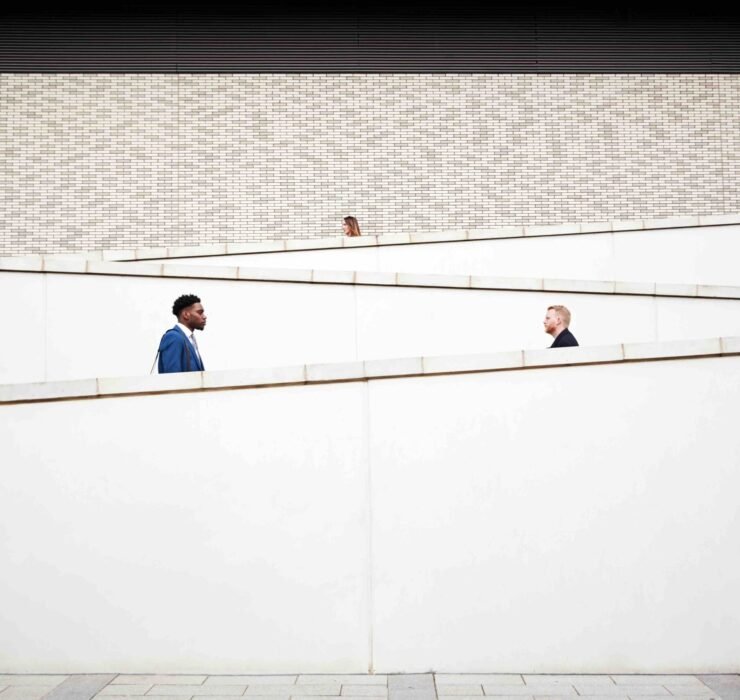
{"x": 401, "y": 686}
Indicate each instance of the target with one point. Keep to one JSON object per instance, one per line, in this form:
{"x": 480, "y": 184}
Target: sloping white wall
{"x": 702, "y": 255}
{"x": 209, "y": 531}
{"x": 67, "y": 326}
{"x": 578, "y": 519}
{"x": 553, "y": 520}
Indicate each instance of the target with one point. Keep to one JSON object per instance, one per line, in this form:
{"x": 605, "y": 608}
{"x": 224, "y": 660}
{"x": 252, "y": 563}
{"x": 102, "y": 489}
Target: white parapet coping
{"x": 254, "y": 378}
{"x": 456, "y": 235}
{"x": 45, "y": 264}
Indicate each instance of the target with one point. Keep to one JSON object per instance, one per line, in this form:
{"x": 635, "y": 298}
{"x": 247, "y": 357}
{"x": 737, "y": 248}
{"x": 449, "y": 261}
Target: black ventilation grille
{"x": 369, "y": 39}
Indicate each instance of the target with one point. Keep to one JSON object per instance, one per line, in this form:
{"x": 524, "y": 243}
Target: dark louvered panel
{"x": 353, "y": 38}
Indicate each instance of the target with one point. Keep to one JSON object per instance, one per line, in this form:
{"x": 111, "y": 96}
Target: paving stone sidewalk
{"x": 412, "y": 686}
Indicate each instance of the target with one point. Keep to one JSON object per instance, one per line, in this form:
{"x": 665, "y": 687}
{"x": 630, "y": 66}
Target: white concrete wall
{"x": 579, "y": 519}
{"x": 66, "y": 326}
{"x": 701, "y": 255}
{"x": 127, "y": 546}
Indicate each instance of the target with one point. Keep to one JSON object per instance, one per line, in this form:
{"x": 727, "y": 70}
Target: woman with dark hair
{"x": 351, "y": 226}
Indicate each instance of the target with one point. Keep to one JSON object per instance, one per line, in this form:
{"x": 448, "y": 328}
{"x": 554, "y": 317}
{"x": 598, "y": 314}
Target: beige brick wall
{"x": 112, "y": 161}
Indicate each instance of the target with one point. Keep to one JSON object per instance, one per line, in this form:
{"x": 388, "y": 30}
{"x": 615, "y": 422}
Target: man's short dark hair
{"x": 182, "y": 302}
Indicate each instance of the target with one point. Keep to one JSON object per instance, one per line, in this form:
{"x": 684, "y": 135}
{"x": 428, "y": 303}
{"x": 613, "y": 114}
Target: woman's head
{"x": 351, "y": 226}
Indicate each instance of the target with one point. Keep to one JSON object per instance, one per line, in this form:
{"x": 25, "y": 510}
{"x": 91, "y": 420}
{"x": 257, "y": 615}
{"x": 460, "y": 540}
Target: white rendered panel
{"x": 221, "y": 532}
{"x": 684, "y": 318}
{"x": 23, "y": 340}
{"x": 566, "y": 257}
{"x": 418, "y": 321}
{"x": 697, "y": 255}
{"x": 571, "y": 520}
{"x": 544, "y": 520}
{"x": 119, "y": 322}
{"x": 329, "y": 259}
{"x": 704, "y": 255}
{"x": 106, "y": 325}
{"x": 110, "y": 326}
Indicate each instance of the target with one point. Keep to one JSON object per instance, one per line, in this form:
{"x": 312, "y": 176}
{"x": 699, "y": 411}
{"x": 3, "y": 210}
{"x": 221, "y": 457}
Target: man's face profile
{"x": 194, "y": 317}
{"x": 552, "y": 321}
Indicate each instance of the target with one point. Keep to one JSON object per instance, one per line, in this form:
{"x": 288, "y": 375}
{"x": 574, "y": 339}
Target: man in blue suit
{"x": 178, "y": 349}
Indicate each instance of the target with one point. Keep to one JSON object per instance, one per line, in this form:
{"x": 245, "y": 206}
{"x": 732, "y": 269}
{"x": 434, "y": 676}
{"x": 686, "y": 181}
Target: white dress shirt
{"x": 189, "y": 335}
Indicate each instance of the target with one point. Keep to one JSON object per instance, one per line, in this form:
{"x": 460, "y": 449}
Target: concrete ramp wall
{"x": 311, "y": 504}
{"x": 689, "y": 254}
{"x": 570, "y": 519}
{"x": 68, "y": 326}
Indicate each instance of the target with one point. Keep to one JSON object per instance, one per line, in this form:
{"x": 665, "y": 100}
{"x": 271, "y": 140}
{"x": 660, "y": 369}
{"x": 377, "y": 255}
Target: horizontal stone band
{"x": 367, "y": 370}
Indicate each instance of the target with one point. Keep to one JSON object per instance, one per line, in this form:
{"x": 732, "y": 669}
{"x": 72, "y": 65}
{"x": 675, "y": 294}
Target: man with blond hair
{"x": 557, "y": 320}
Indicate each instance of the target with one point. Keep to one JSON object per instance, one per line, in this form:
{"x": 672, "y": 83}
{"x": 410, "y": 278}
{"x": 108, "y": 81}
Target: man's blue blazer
{"x": 177, "y": 354}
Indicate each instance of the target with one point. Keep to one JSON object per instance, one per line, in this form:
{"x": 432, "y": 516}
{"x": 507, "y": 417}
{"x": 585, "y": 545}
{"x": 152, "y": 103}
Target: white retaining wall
{"x": 575, "y": 519}
{"x": 697, "y": 255}
{"x": 67, "y": 326}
